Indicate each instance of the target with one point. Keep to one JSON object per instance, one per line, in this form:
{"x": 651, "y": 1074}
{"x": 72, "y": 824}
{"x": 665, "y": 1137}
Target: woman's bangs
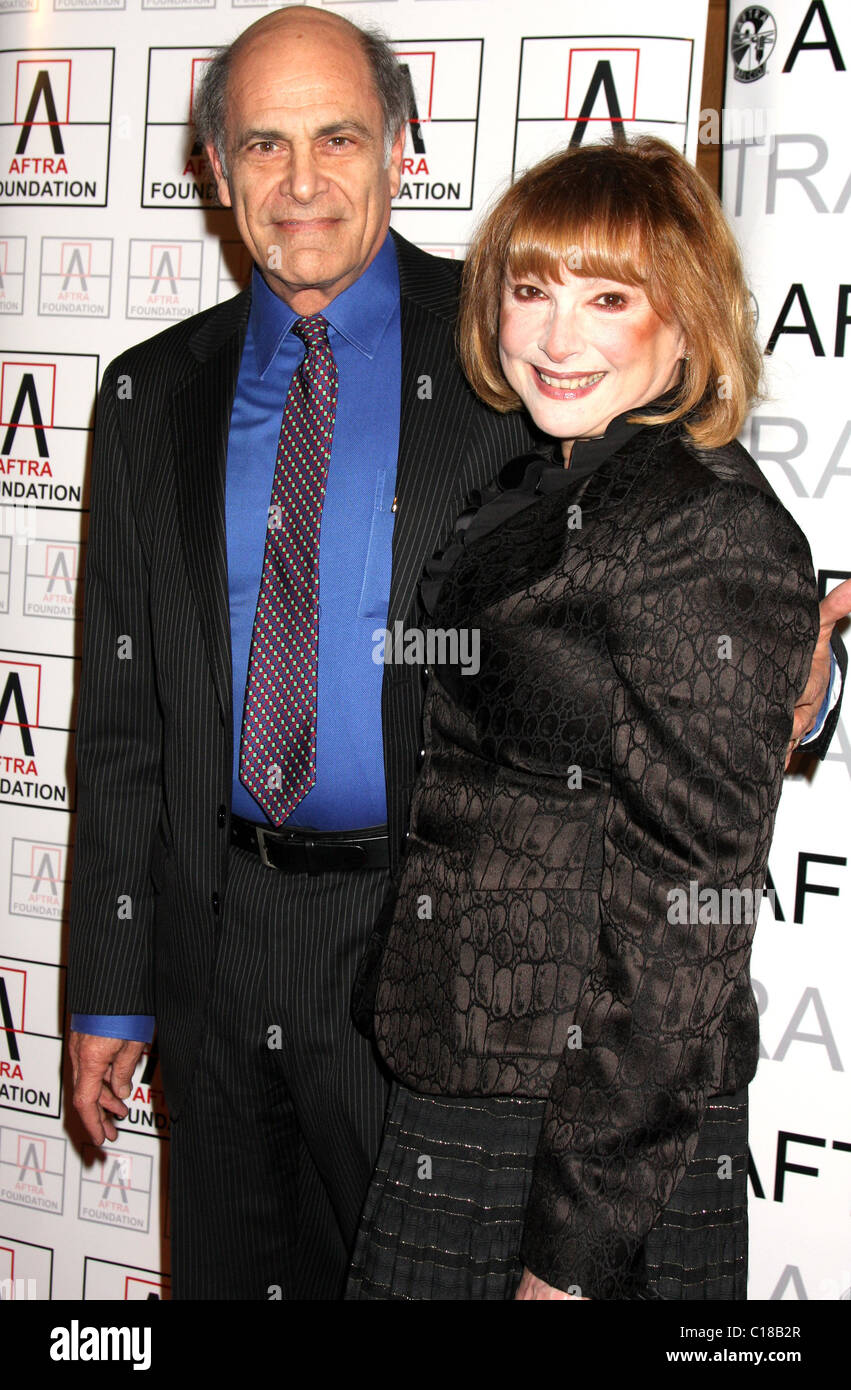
{"x": 546, "y": 241}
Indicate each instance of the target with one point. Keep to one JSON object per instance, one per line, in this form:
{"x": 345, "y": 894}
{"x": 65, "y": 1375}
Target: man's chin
{"x": 308, "y": 268}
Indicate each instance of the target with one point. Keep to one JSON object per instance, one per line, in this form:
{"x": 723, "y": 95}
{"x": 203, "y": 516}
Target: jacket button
{"x": 222, "y": 817}
{"x": 214, "y": 901}
{"x": 421, "y": 755}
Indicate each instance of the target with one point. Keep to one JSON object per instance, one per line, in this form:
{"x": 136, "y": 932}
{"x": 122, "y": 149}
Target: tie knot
{"x": 313, "y": 331}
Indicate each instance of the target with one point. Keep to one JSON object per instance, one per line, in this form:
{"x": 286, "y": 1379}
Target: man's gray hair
{"x": 391, "y": 88}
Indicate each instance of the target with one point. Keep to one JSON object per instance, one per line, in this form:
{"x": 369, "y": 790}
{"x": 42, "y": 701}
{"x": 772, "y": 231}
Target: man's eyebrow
{"x": 353, "y": 126}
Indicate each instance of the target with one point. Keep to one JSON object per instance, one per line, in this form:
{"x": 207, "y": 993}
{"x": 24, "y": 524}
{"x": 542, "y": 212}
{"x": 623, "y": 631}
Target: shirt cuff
{"x": 834, "y": 689}
{"x": 130, "y": 1027}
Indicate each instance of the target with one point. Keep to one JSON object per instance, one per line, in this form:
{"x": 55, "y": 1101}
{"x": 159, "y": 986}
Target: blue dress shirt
{"x": 355, "y": 548}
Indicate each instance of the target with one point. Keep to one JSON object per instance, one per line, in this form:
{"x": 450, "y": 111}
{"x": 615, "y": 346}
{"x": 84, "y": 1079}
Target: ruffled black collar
{"x": 537, "y": 473}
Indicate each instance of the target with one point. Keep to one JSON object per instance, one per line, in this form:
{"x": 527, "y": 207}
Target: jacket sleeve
{"x": 711, "y": 636}
{"x": 118, "y": 745}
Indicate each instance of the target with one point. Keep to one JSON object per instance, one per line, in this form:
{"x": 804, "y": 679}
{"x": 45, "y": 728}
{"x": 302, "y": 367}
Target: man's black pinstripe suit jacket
{"x": 154, "y": 740}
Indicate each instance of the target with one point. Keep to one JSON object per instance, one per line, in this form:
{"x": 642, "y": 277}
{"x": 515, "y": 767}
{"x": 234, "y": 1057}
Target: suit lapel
{"x": 200, "y": 408}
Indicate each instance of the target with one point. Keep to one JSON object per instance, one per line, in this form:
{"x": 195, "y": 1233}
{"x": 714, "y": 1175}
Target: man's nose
{"x": 302, "y": 179}
{"x": 561, "y": 337}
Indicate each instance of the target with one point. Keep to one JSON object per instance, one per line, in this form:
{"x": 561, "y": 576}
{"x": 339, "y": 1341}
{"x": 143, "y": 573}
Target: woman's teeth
{"x": 574, "y": 383}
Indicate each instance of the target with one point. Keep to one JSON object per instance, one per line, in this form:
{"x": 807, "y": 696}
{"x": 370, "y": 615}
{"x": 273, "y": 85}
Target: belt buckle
{"x": 261, "y": 847}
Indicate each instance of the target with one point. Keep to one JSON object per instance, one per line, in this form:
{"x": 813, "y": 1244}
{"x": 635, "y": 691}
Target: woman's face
{"x": 580, "y": 352}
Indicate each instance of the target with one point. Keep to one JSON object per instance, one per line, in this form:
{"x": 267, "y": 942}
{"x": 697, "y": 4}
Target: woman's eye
{"x": 611, "y": 300}
{"x": 526, "y": 292}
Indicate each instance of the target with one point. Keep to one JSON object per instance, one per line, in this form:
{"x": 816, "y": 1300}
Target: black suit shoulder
{"x": 178, "y": 348}
{"x": 433, "y": 282}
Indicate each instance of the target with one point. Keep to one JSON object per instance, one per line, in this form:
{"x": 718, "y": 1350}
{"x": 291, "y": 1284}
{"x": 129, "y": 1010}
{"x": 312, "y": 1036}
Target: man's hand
{"x": 103, "y": 1070}
{"x": 531, "y": 1286}
{"x": 836, "y": 605}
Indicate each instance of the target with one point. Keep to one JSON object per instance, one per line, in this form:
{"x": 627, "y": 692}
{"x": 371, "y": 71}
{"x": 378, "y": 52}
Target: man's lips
{"x": 306, "y": 224}
{"x": 566, "y": 386}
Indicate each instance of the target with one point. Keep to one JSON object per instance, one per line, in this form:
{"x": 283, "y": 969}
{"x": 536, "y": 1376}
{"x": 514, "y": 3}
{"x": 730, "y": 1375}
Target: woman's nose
{"x": 561, "y": 338}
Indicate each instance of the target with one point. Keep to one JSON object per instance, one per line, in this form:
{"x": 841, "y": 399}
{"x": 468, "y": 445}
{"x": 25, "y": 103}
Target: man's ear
{"x": 221, "y": 182}
{"x": 394, "y": 166}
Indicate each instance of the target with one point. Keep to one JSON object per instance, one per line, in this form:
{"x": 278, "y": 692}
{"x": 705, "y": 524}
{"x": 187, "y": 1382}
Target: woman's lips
{"x": 570, "y": 387}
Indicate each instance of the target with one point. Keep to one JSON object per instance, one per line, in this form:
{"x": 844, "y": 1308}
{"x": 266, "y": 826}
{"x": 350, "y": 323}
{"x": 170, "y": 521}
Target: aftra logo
{"x": 13, "y": 1003}
{"x": 45, "y": 423}
{"x": 164, "y": 280}
{"x": 35, "y": 719}
{"x": 75, "y": 277}
{"x": 574, "y": 90}
{"x": 55, "y": 149}
{"x": 176, "y": 172}
{"x": 30, "y": 1050}
{"x": 443, "y": 80}
{"x": 39, "y": 874}
{"x": 32, "y": 1169}
{"x": 50, "y": 579}
{"x": 39, "y": 82}
{"x": 20, "y": 699}
{"x": 27, "y": 401}
{"x": 116, "y": 1189}
{"x": 12, "y": 269}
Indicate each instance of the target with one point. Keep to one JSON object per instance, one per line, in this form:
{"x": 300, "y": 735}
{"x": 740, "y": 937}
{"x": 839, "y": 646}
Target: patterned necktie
{"x": 277, "y": 755}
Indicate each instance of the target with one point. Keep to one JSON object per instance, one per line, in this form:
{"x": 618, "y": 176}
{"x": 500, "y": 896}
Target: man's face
{"x": 305, "y": 152}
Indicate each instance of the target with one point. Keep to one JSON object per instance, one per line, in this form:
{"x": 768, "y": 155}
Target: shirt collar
{"x": 360, "y": 314}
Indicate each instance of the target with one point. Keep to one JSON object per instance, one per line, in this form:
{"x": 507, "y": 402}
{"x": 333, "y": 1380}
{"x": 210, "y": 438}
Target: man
{"x": 244, "y": 763}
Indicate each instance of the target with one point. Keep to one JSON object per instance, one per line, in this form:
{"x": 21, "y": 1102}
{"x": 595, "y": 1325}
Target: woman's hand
{"x": 833, "y": 607}
{"x": 531, "y": 1286}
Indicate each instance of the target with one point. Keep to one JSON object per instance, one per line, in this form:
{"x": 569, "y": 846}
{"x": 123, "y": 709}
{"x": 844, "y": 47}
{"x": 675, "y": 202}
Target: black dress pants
{"x": 272, "y": 1153}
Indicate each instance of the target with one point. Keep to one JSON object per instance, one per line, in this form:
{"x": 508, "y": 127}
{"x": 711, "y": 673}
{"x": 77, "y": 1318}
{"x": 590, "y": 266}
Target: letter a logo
{"x": 31, "y": 1166}
{"x": 75, "y": 270}
{"x": 164, "y": 271}
{"x": 41, "y": 92}
{"x": 414, "y": 123}
{"x": 7, "y": 1023}
{"x": 603, "y": 78}
{"x": 13, "y": 694}
{"x": 27, "y": 395}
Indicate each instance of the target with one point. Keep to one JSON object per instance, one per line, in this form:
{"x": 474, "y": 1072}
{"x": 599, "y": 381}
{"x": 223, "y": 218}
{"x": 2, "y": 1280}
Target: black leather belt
{"x": 313, "y": 851}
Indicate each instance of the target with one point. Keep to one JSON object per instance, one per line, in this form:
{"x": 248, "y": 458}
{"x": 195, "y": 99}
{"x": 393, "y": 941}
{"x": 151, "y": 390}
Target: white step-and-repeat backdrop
{"x": 110, "y": 232}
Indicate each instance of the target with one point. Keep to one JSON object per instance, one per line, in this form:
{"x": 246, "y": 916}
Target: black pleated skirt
{"x": 444, "y": 1214}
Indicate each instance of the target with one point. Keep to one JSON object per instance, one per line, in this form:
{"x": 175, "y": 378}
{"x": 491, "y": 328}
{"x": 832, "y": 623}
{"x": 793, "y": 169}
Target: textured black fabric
{"x": 656, "y": 651}
{"x": 451, "y": 1227}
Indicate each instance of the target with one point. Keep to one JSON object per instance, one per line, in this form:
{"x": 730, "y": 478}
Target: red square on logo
{"x": 624, "y": 74}
{"x": 25, "y": 83}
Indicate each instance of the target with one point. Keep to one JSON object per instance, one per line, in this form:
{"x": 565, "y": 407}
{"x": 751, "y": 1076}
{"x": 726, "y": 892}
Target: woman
{"x": 563, "y": 992}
